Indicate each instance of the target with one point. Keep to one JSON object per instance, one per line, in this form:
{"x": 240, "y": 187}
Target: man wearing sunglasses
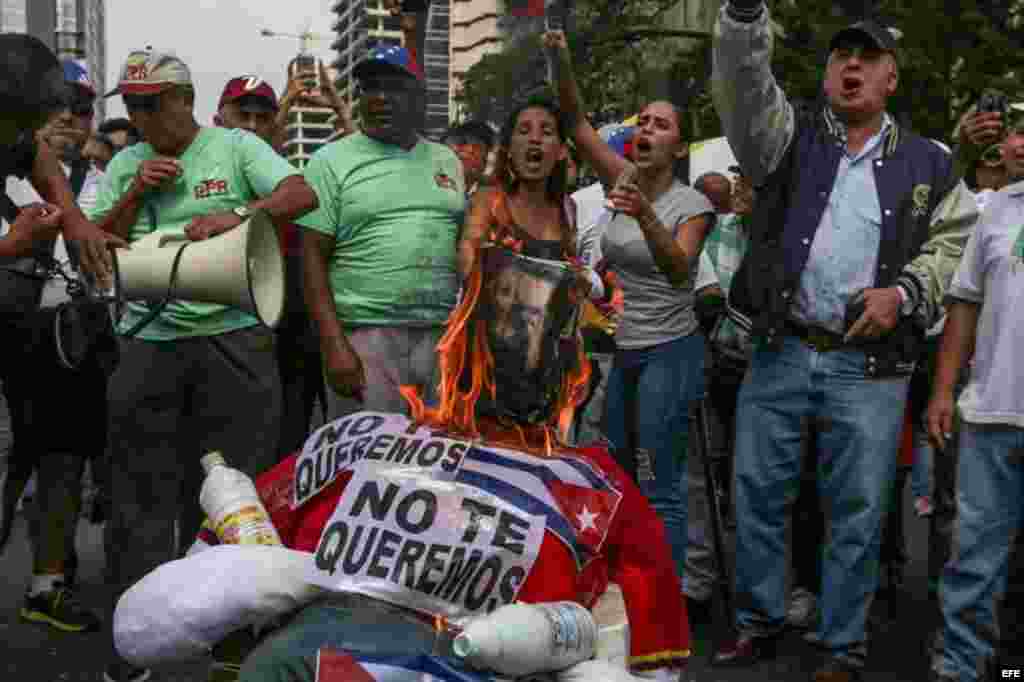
{"x": 379, "y": 253}
{"x": 199, "y": 377}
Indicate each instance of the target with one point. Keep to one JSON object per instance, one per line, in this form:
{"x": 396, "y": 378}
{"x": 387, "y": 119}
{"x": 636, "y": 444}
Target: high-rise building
{"x": 71, "y": 28}
{"x": 365, "y": 24}
{"x": 437, "y": 67}
{"x": 475, "y": 33}
{"x": 308, "y": 127}
{"x": 361, "y": 26}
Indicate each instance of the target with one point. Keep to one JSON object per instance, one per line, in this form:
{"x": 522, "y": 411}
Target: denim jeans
{"x": 647, "y": 415}
{"x": 858, "y": 422}
{"x": 921, "y": 473}
{"x": 347, "y": 623}
{"x": 989, "y": 513}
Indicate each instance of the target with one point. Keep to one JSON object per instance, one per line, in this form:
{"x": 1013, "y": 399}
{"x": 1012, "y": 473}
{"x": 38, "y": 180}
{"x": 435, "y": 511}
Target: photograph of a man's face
{"x": 525, "y": 303}
{"x": 519, "y": 302}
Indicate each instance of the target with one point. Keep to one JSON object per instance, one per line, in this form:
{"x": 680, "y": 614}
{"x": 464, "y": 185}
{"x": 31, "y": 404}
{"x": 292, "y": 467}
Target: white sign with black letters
{"x": 374, "y": 436}
{"x": 401, "y": 535}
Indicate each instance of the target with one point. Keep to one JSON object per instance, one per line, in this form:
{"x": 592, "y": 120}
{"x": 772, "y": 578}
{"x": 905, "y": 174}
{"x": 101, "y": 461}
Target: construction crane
{"x": 306, "y": 38}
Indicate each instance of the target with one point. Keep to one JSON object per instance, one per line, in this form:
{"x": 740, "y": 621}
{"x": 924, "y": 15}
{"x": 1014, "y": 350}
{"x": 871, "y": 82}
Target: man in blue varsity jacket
{"x": 858, "y": 228}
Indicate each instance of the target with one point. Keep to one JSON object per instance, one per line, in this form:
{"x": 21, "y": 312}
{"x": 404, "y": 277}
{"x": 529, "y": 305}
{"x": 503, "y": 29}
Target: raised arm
{"x": 595, "y": 151}
{"x": 757, "y": 118}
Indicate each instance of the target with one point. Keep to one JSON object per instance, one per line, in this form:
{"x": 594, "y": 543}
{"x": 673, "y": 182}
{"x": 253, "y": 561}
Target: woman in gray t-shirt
{"x": 652, "y": 244}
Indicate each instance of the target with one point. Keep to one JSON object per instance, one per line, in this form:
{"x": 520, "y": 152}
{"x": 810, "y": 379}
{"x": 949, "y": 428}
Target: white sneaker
{"x": 802, "y": 613}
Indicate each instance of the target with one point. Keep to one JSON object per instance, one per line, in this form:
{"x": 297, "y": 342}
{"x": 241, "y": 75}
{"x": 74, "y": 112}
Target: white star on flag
{"x": 586, "y": 519}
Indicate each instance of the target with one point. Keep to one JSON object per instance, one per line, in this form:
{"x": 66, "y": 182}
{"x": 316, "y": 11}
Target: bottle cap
{"x": 463, "y": 646}
{"x": 211, "y": 460}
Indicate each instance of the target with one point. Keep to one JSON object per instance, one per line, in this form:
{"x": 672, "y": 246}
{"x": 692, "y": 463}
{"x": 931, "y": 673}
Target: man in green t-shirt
{"x": 200, "y": 377}
{"x": 379, "y": 252}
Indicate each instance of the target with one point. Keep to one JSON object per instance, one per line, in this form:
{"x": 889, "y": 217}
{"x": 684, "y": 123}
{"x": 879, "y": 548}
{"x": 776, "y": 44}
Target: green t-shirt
{"x": 223, "y": 169}
{"x": 395, "y": 217}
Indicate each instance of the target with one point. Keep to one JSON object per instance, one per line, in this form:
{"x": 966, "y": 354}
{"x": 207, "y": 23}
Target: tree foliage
{"x": 951, "y": 50}
{"x": 622, "y": 54}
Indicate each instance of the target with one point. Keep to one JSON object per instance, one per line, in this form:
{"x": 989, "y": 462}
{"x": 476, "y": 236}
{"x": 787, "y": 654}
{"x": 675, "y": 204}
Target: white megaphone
{"x": 242, "y": 268}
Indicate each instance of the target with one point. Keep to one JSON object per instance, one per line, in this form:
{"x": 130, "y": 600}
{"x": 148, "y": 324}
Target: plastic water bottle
{"x": 523, "y": 639}
{"x": 233, "y": 505}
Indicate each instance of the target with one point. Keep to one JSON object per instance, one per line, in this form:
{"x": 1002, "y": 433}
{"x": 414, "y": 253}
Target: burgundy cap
{"x": 248, "y": 86}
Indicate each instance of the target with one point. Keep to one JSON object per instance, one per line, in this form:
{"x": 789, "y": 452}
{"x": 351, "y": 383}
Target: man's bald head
{"x": 718, "y": 189}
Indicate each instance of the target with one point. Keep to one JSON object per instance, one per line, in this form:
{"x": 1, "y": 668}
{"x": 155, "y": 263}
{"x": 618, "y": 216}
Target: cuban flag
{"x": 340, "y": 666}
{"x": 577, "y": 499}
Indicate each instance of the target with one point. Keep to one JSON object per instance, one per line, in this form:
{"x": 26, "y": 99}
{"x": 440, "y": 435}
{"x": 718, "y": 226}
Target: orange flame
{"x": 456, "y": 409}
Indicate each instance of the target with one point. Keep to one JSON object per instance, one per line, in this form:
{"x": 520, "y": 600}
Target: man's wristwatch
{"x": 906, "y": 302}
{"x": 243, "y": 212}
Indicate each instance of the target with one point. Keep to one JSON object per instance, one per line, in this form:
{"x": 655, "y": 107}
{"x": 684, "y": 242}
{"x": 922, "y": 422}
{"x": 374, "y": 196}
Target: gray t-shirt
{"x": 990, "y": 274}
{"x": 655, "y": 311}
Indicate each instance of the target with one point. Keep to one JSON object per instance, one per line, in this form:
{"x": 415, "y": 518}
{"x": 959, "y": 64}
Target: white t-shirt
{"x": 591, "y": 218}
{"x": 706, "y": 275}
{"x": 991, "y": 274}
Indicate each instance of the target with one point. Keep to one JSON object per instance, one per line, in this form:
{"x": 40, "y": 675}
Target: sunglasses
{"x": 144, "y": 103}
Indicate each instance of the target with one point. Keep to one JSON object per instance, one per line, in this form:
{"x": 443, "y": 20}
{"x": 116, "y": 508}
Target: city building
{"x": 475, "y": 33}
{"x": 308, "y": 127}
{"x": 363, "y": 24}
{"x": 71, "y": 28}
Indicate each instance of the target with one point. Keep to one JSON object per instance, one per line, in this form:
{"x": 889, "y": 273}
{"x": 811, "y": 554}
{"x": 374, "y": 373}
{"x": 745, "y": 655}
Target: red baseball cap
{"x": 249, "y": 86}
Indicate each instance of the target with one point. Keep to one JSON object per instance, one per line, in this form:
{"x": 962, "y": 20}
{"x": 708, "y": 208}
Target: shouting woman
{"x": 652, "y": 246}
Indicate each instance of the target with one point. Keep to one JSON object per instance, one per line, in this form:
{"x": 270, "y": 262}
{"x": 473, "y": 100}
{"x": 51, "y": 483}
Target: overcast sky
{"x": 218, "y": 39}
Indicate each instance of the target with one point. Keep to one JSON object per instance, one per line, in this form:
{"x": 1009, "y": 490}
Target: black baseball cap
{"x": 868, "y": 31}
{"x": 31, "y": 77}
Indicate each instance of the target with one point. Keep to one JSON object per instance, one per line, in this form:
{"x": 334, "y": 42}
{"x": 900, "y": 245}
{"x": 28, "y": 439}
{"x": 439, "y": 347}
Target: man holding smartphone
{"x": 985, "y": 323}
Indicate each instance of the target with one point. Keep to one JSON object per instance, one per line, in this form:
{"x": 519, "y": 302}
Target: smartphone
{"x": 993, "y": 101}
{"x": 306, "y": 63}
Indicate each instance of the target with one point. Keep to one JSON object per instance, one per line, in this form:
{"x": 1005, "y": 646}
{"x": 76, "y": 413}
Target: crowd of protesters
{"x": 830, "y": 298}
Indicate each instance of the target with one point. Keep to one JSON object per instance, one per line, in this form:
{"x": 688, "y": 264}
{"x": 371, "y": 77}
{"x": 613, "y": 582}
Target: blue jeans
{"x": 858, "y": 422}
{"x": 921, "y": 473}
{"x": 647, "y": 417}
{"x": 989, "y": 513}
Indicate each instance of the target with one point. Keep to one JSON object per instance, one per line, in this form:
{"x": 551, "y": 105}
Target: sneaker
{"x": 123, "y": 671}
{"x": 802, "y": 613}
{"x": 61, "y": 609}
{"x": 923, "y": 506}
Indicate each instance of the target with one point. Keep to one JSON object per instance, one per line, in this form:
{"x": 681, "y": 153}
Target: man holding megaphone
{"x": 197, "y": 376}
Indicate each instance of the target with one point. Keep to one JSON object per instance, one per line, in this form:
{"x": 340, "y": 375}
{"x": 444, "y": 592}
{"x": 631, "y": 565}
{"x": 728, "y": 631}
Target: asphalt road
{"x": 34, "y": 653}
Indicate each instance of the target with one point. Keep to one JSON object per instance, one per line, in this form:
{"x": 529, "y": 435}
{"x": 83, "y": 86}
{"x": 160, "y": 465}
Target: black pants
{"x": 58, "y": 421}
{"x": 171, "y": 403}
